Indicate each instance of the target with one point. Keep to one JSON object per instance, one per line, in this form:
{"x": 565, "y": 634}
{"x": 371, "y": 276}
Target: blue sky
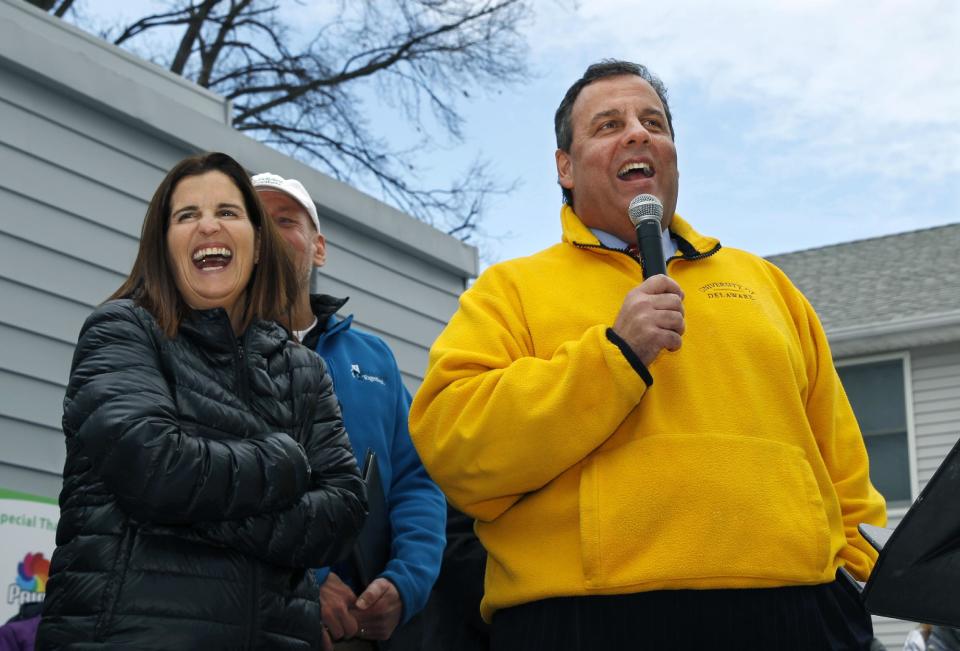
{"x": 799, "y": 123}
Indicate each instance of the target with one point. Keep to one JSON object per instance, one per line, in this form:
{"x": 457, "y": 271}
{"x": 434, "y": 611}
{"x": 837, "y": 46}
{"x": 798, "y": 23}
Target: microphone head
{"x": 644, "y": 207}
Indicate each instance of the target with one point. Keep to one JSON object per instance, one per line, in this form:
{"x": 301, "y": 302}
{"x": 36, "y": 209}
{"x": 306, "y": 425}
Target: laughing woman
{"x": 207, "y": 466}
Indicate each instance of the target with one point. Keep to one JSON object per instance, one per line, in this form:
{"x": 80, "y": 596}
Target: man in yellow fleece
{"x": 666, "y": 463}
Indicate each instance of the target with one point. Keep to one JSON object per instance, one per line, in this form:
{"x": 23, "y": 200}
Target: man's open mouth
{"x": 634, "y": 170}
{"x": 212, "y": 258}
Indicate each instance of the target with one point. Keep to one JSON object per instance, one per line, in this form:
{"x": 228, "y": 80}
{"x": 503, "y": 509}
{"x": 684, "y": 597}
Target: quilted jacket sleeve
{"x": 320, "y": 528}
{"x": 118, "y": 406}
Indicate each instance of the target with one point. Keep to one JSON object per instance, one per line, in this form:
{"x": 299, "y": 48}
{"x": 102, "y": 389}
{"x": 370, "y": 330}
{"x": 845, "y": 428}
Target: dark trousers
{"x": 802, "y": 618}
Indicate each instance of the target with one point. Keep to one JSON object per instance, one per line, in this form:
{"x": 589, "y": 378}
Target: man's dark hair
{"x": 602, "y": 70}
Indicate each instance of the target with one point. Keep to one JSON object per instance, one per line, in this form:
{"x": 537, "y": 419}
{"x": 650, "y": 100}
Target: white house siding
{"x": 88, "y": 133}
{"x": 891, "y": 632}
{"x": 936, "y": 405}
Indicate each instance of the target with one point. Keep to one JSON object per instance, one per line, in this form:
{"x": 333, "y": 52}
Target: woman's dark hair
{"x": 273, "y": 286}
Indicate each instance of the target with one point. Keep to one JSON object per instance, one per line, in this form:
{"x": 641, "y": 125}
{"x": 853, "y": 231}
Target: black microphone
{"x": 645, "y": 213}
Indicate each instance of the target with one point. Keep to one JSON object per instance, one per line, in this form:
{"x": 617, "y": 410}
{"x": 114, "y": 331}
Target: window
{"x": 877, "y": 393}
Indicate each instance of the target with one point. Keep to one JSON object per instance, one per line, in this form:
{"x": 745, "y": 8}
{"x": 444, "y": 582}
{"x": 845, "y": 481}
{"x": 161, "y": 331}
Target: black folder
{"x": 917, "y": 575}
{"x": 372, "y": 550}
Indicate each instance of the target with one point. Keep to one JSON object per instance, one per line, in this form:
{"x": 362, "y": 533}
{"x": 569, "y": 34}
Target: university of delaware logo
{"x": 365, "y": 377}
{"x": 31, "y": 582}
{"x": 728, "y": 290}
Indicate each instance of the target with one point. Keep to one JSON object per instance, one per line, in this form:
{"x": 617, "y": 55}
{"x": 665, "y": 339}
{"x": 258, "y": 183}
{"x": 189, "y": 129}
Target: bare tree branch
{"x": 198, "y": 16}
{"x": 377, "y": 60}
{"x": 45, "y": 5}
{"x": 227, "y": 26}
{"x": 63, "y": 8}
{"x": 308, "y": 94}
{"x": 48, "y": 5}
{"x": 179, "y": 17}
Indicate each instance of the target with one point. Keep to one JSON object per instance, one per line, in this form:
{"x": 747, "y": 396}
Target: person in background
{"x": 20, "y": 631}
{"x": 917, "y": 638}
{"x": 668, "y": 462}
{"x": 207, "y": 467}
{"x": 375, "y": 406}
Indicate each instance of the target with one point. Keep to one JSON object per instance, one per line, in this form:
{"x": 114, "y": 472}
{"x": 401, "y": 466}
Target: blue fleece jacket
{"x": 375, "y": 403}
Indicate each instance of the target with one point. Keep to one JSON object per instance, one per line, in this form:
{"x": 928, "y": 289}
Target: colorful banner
{"x": 28, "y": 527}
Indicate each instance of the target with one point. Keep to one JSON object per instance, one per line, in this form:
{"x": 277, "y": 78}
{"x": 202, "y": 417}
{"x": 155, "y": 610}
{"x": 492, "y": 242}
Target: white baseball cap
{"x": 292, "y": 188}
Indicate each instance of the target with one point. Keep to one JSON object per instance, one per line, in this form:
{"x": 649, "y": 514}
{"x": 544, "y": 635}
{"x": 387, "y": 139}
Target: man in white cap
{"x": 375, "y": 405}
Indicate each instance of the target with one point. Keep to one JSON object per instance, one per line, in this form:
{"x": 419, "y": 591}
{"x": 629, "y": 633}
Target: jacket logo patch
{"x": 365, "y": 377}
{"x": 728, "y": 290}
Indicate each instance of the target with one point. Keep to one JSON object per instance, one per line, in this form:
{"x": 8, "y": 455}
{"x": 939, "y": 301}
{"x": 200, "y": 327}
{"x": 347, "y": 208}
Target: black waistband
{"x": 827, "y": 616}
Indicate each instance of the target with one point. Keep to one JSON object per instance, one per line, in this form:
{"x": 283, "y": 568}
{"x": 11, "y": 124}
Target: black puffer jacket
{"x": 201, "y": 478}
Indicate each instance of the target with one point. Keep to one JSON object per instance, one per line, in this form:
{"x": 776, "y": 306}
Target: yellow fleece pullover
{"x": 741, "y": 466}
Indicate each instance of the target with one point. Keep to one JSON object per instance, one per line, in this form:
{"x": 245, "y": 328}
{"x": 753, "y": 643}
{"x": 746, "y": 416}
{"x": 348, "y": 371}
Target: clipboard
{"x": 371, "y": 552}
{"x": 917, "y": 575}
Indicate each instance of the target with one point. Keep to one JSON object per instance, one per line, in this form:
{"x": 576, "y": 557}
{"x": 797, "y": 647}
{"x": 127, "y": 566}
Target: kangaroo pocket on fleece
{"x": 692, "y": 510}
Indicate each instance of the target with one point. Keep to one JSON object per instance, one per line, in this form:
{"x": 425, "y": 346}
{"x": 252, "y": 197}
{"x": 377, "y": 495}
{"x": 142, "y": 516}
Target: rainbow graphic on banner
{"x": 32, "y": 573}
{"x": 28, "y": 525}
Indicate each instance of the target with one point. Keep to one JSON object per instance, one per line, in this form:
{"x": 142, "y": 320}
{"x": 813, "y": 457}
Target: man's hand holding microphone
{"x": 651, "y": 317}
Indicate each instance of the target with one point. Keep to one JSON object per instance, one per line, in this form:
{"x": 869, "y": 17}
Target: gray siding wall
{"x": 88, "y": 133}
{"x": 74, "y": 187}
{"x": 936, "y": 405}
{"x": 891, "y": 632}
